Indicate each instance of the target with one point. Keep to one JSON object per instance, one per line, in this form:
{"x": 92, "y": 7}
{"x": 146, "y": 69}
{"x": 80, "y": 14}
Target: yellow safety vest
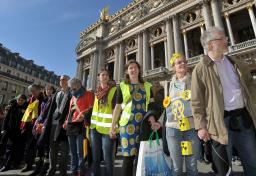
{"x": 31, "y": 112}
{"x": 127, "y": 102}
{"x": 102, "y": 114}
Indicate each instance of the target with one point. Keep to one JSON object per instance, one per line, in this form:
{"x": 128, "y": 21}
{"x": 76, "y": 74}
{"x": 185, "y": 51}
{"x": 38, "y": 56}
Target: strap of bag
{"x": 151, "y": 138}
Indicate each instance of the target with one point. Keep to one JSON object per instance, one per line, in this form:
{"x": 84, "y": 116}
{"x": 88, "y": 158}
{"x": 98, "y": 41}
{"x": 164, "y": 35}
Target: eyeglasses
{"x": 222, "y": 38}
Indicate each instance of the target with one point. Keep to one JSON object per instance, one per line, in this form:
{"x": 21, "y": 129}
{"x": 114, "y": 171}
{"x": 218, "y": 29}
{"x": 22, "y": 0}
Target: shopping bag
{"x": 151, "y": 160}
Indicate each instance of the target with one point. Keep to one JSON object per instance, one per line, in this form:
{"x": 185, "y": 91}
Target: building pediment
{"x": 84, "y": 42}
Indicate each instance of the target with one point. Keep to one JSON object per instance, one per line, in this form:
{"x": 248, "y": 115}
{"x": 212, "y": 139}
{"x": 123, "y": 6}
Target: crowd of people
{"x": 212, "y": 108}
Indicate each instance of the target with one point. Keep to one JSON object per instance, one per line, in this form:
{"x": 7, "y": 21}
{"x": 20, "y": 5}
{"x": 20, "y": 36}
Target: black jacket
{"x": 145, "y": 127}
{"x": 13, "y": 118}
{"x": 59, "y": 133}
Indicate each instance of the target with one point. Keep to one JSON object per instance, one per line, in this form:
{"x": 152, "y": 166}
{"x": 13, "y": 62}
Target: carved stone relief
{"x": 130, "y": 44}
{"x": 154, "y": 4}
{"x": 191, "y": 17}
{"x": 84, "y": 42}
{"x": 87, "y": 61}
{"x": 115, "y": 26}
{"x": 157, "y": 32}
{"x": 109, "y": 54}
{"x": 227, "y": 4}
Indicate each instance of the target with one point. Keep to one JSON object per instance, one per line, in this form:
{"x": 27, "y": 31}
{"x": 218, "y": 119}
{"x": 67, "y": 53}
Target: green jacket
{"x": 207, "y": 101}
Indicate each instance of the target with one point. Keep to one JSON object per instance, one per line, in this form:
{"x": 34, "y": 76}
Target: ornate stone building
{"x": 17, "y": 73}
{"x": 151, "y": 30}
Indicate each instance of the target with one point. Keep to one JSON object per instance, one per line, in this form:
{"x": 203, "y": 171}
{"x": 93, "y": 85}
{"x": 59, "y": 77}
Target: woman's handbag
{"x": 151, "y": 160}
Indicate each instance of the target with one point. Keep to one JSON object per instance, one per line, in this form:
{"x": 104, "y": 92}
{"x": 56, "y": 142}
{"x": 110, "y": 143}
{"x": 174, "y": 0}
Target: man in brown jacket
{"x": 223, "y": 104}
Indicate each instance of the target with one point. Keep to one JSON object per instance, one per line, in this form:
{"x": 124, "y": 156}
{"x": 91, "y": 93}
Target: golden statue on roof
{"x": 104, "y": 16}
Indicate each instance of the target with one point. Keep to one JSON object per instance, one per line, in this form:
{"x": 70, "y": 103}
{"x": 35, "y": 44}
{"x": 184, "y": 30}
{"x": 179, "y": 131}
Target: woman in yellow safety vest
{"x": 105, "y": 98}
{"x": 133, "y": 98}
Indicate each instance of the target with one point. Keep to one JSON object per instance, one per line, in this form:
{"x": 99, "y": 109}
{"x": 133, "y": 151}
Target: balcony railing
{"x": 243, "y": 45}
{"x": 193, "y": 60}
{"x": 156, "y": 71}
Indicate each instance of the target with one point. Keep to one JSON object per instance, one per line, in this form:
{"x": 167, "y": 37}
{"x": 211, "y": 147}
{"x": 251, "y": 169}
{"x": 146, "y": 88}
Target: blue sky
{"x": 47, "y": 31}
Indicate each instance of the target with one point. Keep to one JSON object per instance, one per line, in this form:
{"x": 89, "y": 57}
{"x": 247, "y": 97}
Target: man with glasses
{"x": 223, "y": 104}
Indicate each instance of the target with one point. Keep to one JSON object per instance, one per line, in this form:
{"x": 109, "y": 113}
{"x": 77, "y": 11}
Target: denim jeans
{"x": 101, "y": 142}
{"x": 174, "y": 137}
{"x": 244, "y": 141}
{"x": 76, "y": 149}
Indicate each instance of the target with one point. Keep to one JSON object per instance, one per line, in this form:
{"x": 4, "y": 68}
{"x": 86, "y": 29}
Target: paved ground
{"x": 204, "y": 170}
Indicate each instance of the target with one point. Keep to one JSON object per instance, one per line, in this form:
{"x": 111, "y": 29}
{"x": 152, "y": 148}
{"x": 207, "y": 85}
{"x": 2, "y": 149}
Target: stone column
{"x": 217, "y": 14}
{"x": 121, "y": 61}
{"x": 84, "y": 80}
{"x": 166, "y": 60}
{"x": 176, "y": 34}
{"x": 170, "y": 45}
{"x": 78, "y": 68}
{"x": 252, "y": 17}
{"x": 116, "y": 69}
{"x": 146, "y": 61}
{"x": 101, "y": 57}
{"x": 206, "y": 13}
{"x": 202, "y": 32}
{"x": 93, "y": 71}
{"x": 140, "y": 49}
{"x": 230, "y": 32}
{"x": 152, "y": 56}
{"x": 185, "y": 43}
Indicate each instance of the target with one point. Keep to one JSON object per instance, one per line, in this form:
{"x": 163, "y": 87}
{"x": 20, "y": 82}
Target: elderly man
{"x": 223, "y": 104}
{"x": 53, "y": 130}
{"x": 80, "y": 109}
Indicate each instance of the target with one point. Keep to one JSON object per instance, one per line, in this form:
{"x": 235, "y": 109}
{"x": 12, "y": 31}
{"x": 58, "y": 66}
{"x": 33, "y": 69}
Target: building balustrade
{"x": 158, "y": 70}
{"x": 243, "y": 45}
{"x": 193, "y": 60}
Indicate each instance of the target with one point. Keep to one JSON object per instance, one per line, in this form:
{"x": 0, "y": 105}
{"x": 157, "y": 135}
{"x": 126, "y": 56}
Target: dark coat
{"x": 154, "y": 109}
{"x": 60, "y": 132}
{"x": 145, "y": 128}
{"x": 13, "y": 118}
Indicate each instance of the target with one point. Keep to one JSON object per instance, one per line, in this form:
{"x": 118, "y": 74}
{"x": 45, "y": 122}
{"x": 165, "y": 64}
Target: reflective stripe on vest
{"x": 102, "y": 114}
{"x": 127, "y": 101}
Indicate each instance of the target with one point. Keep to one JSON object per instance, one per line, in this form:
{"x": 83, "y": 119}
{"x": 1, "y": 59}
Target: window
{"x": 13, "y": 88}
{"x": 5, "y": 85}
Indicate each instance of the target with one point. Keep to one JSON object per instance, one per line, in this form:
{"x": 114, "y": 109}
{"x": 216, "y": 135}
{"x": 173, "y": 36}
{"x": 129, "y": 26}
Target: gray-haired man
{"x": 223, "y": 104}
